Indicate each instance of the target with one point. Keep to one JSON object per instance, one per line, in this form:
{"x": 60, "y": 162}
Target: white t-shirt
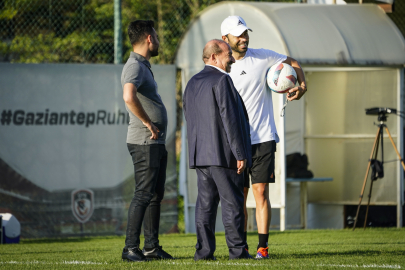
{"x": 249, "y": 77}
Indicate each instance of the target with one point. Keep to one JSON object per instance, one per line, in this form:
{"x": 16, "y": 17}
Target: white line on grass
{"x": 162, "y": 262}
{"x": 215, "y": 263}
{"x": 63, "y": 262}
{"x": 210, "y": 263}
{"x": 363, "y": 266}
{"x": 326, "y": 265}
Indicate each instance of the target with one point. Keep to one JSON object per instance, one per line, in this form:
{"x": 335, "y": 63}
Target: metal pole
{"x": 400, "y": 140}
{"x": 372, "y": 181}
{"x": 375, "y": 147}
{"x": 368, "y": 204}
{"x": 1, "y": 229}
{"x": 283, "y": 185}
{"x": 117, "y": 32}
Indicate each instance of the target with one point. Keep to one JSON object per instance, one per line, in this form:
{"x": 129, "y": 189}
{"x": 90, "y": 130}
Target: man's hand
{"x": 299, "y": 90}
{"x": 241, "y": 164}
{"x": 133, "y": 103}
{"x": 153, "y": 129}
{"x": 296, "y": 93}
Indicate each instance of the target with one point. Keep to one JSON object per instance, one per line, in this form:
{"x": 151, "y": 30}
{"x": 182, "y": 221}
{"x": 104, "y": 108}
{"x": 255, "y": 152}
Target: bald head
{"x": 212, "y": 47}
{"x": 218, "y": 53}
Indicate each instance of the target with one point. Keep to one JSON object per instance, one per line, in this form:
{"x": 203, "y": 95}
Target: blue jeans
{"x": 150, "y": 163}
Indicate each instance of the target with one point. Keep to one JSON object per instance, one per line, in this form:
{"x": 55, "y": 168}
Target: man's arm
{"x": 302, "y": 88}
{"x": 228, "y": 109}
{"x": 133, "y": 103}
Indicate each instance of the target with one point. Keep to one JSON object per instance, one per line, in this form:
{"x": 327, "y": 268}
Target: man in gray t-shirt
{"x": 146, "y": 144}
{"x": 137, "y": 71}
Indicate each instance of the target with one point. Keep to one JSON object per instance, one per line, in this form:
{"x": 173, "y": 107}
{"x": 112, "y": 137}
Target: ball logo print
{"x": 281, "y": 78}
{"x": 82, "y": 204}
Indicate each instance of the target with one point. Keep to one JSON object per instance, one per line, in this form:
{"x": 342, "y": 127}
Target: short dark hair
{"x": 138, "y": 30}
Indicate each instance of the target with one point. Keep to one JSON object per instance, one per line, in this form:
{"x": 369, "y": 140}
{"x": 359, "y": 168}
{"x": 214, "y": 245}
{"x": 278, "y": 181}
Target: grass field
{"x": 297, "y": 249}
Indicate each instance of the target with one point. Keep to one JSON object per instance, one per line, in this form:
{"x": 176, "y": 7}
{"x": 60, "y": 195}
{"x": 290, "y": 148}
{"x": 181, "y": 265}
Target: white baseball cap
{"x": 234, "y": 25}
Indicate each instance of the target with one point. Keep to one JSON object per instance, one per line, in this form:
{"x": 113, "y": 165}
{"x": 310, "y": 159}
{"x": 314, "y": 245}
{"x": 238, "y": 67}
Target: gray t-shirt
{"x": 137, "y": 71}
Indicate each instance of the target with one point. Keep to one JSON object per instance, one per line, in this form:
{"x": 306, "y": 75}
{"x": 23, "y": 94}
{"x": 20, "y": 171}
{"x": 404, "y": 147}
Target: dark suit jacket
{"x": 217, "y": 122}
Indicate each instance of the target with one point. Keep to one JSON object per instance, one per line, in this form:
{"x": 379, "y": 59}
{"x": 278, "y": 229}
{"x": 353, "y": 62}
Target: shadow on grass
{"x": 313, "y": 255}
{"x": 58, "y": 251}
{"x": 58, "y": 240}
{"x": 176, "y": 258}
{"x": 335, "y": 231}
{"x": 340, "y": 244}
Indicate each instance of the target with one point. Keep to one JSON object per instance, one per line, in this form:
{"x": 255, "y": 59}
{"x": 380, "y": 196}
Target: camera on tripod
{"x": 373, "y": 163}
{"x": 381, "y": 112}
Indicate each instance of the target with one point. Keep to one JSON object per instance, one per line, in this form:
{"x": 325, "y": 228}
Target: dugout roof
{"x": 351, "y": 34}
{"x": 353, "y": 57}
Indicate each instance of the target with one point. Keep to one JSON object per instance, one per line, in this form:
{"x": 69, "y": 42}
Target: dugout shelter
{"x": 353, "y": 57}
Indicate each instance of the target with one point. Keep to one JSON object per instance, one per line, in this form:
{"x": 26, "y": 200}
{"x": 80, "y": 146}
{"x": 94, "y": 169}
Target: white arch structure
{"x": 349, "y": 52}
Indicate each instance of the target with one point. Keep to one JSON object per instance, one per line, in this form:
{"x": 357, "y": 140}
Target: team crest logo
{"x": 82, "y": 204}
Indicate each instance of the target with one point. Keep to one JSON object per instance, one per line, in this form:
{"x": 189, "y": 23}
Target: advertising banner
{"x": 64, "y": 164}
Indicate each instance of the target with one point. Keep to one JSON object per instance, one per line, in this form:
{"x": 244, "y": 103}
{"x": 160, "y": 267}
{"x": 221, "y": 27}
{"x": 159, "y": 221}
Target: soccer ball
{"x": 281, "y": 78}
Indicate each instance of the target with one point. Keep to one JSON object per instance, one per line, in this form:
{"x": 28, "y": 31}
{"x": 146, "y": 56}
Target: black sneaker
{"x": 133, "y": 255}
{"x": 157, "y": 253}
{"x": 245, "y": 255}
{"x": 248, "y": 256}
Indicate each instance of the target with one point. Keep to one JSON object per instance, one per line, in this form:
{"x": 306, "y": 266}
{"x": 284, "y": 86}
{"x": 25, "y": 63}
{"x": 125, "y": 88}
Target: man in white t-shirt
{"x": 249, "y": 77}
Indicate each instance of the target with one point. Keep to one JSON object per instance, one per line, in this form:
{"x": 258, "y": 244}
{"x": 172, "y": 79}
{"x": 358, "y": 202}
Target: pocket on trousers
{"x": 153, "y": 156}
{"x": 138, "y": 156}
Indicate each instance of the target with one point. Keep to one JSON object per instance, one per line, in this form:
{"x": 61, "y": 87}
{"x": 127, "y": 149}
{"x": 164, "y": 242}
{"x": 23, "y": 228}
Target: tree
{"x": 82, "y": 31}
{"x": 57, "y": 31}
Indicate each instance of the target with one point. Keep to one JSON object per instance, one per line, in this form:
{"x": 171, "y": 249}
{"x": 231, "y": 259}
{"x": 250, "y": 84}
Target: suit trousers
{"x": 150, "y": 162}
{"x": 215, "y": 184}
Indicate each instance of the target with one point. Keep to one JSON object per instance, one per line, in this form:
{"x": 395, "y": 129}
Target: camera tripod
{"x": 382, "y": 117}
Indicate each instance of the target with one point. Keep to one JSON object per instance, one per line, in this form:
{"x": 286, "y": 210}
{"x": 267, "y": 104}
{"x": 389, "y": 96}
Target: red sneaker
{"x": 262, "y": 253}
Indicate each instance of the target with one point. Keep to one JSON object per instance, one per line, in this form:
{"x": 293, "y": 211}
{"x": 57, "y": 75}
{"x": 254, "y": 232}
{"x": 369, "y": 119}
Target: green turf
{"x": 298, "y": 249}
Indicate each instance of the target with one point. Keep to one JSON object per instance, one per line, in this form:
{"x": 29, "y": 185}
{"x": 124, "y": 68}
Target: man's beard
{"x": 154, "y": 52}
{"x": 235, "y": 48}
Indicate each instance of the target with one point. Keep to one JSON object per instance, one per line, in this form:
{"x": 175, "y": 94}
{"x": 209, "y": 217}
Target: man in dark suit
{"x": 219, "y": 150}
